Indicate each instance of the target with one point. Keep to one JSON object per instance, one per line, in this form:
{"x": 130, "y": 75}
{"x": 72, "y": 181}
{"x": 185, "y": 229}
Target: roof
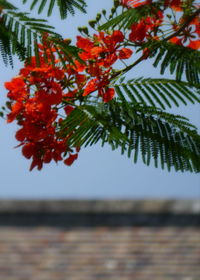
{"x": 100, "y": 240}
{"x": 101, "y": 206}
{"x": 70, "y": 213}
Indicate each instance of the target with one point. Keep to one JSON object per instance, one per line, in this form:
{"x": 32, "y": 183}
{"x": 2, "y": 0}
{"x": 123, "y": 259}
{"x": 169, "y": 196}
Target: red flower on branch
{"x": 189, "y": 37}
{"x": 125, "y": 53}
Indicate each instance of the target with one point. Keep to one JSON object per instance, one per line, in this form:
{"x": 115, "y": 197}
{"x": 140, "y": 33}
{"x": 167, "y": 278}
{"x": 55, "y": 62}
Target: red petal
{"x": 28, "y": 150}
{"x": 20, "y": 135}
{"x": 108, "y": 95}
{"x": 68, "y": 161}
{"x": 125, "y": 53}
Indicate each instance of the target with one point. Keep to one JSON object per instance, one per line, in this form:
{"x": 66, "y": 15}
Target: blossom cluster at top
{"x": 150, "y": 27}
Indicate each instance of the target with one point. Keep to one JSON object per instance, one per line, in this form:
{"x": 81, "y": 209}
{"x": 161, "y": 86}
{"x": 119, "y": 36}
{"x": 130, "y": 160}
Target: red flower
{"x": 138, "y": 31}
{"x": 174, "y": 4}
{"x": 16, "y": 83}
{"x": 84, "y": 43}
{"x": 28, "y": 150}
{"x": 37, "y": 162}
{"x": 79, "y": 67}
{"x": 80, "y": 80}
{"x": 125, "y": 53}
{"x": 68, "y": 161}
{"x": 47, "y": 156}
{"x": 96, "y": 51}
{"x": 16, "y": 109}
{"x": 20, "y": 135}
{"x": 17, "y": 88}
{"x": 91, "y": 86}
{"x": 190, "y": 36}
{"x": 117, "y": 36}
{"x": 109, "y": 60}
{"x": 108, "y": 95}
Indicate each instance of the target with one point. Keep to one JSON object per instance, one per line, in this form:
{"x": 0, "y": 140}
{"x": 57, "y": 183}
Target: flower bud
{"x": 113, "y": 10}
{"x": 116, "y": 3}
{"x": 92, "y": 23}
{"x": 98, "y": 17}
{"x": 85, "y": 30}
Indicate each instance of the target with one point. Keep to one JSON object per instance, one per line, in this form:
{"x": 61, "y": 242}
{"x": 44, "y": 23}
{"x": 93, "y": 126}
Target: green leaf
{"x": 64, "y": 6}
{"x": 158, "y": 92}
{"x": 178, "y": 59}
{"x": 146, "y": 132}
{"x": 22, "y": 33}
{"x": 125, "y": 19}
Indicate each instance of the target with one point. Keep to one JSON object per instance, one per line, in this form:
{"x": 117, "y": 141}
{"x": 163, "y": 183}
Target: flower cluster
{"x": 99, "y": 53}
{"x": 39, "y": 93}
{"x": 146, "y": 28}
{"x": 35, "y": 95}
{"x": 150, "y": 27}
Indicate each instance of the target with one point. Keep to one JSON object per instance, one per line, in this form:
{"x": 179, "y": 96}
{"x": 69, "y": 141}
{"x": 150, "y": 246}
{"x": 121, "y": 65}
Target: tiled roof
{"x": 102, "y": 240}
{"x": 101, "y": 206}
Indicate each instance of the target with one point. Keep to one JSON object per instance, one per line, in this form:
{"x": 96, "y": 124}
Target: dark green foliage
{"x": 158, "y": 92}
{"x": 64, "y": 6}
{"x": 20, "y": 34}
{"x": 179, "y": 60}
{"x": 125, "y": 19}
{"x": 6, "y": 5}
{"x": 65, "y": 51}
{"x": 167, "y": 140}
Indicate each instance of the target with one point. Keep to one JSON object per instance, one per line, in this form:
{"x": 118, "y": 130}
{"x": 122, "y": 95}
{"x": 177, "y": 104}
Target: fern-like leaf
{"x": 64, "y": 6}
{"x": 20, "y": 34}
{"x": 167, "y": 140}
{"x": 125, "y": 19}
{"x": 158, "y": 92}
{"x": 178, "y": 59}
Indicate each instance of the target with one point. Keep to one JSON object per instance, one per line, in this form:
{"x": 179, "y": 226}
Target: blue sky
{"x": 99, "y": 172}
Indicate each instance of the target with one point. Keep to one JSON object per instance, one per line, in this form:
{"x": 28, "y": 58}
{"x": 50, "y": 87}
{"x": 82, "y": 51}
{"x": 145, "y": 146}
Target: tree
{"x": 69, "y": 96}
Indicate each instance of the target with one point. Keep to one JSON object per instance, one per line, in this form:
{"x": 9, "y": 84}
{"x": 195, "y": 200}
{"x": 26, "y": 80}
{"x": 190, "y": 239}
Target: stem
{"x": 124, "y": 70}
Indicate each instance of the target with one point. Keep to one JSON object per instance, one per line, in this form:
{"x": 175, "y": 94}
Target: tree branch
{"x": 185, "y": 24}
